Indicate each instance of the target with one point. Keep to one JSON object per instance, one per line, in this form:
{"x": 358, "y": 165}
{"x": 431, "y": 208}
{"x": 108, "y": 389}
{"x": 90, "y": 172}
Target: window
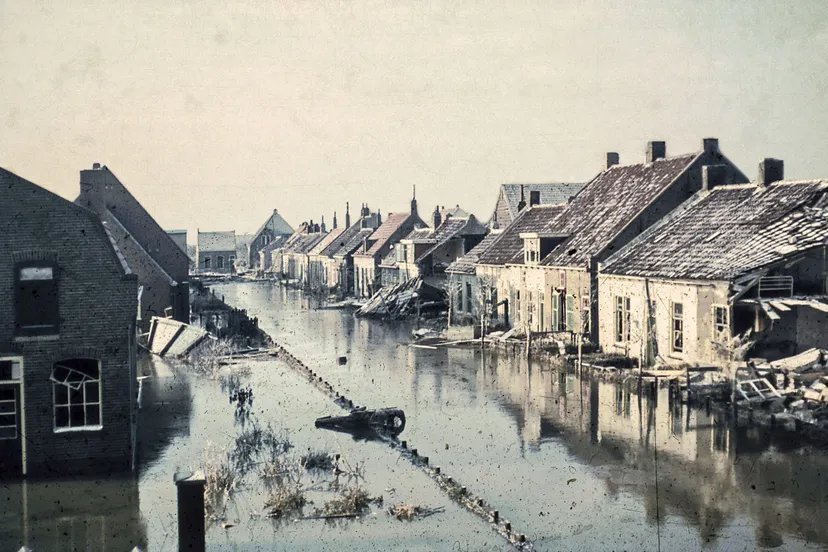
{"x": 585, "y": 315}
{"x": 570, "y": 313}
{"x": 678, "y": 327}
{"x": 622, "y": 319}
{"x": 721, "y": 325}
{"x": 207, "y": 262}
{"x": 517, "y": 305}
{"x": 220, "y": 261}
{"x": 468, "y": 297}
{"x": 460, "y": 298}
{"x": 76, "y": 385}
{"x": 541, "y": 321}
{"x": 232, "y": 259}
{"x": 556, "y": 307}
{"x": 36, "y": 299}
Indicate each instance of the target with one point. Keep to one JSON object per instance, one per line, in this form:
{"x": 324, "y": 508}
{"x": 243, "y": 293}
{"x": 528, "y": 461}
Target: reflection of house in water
{"x": 72, "y": 515}
{"x": 165, "y": 409}
{"x": 712, "y": 473}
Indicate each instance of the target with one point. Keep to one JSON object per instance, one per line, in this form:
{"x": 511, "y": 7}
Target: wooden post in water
{"x": 191, "y": 513}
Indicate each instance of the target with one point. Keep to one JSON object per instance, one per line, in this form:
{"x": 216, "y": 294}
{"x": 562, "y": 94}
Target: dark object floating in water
{"x": 386, "y": 420}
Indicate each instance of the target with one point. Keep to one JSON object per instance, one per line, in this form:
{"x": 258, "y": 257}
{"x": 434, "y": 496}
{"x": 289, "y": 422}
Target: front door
{"x": 11, "y": 442}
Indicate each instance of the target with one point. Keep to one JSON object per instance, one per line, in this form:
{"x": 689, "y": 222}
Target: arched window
{"x": 76, "y": 386}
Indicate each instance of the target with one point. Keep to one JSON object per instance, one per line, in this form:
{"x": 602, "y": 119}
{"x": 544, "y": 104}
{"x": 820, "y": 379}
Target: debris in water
{"x": 409, "y": 512}
{"x": 389, "y": 420}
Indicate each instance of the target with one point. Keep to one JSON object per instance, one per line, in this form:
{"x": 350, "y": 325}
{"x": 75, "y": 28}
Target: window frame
{"x": 723, "y": 327}
{"x": 31, "y": 330}
{"x": 84, "y": 403}
{"x": 622, "y": 319}
{"x": 220, "y": 262}
{"x": 677, "y": 328}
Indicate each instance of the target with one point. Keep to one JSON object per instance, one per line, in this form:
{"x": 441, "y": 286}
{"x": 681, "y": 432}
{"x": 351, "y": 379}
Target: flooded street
{"x": 575, "y": 464}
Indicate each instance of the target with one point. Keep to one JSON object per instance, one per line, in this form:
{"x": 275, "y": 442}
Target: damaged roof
{"x": 607, "y": 204}
{"x": 325, "y": 243}
{"x": 450, "y": 229}
{"x": 216, "y": 241}
{"x": 352, "y": 239}
{"x": 507, "y": 247}
{"x": 465, "y": 264}
{"x": 729, "y": 231}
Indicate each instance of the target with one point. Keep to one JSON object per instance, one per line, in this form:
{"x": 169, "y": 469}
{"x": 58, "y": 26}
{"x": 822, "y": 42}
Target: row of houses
{"x": 79, "y": 281}
{"x": 675, "y": 260}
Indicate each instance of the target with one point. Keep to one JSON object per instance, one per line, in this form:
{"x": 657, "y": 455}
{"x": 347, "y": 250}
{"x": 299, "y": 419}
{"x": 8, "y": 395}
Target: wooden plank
{"x": 770, "y": 312}
{"x": 780, "y": 306}
{"x": 818, "y": 306}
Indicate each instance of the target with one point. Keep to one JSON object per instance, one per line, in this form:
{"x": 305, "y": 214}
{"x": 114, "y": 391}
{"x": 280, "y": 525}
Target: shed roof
{"x": 729, "y": 231}
{"x": 217, "y": 241}
{"x": 507, "y": 247}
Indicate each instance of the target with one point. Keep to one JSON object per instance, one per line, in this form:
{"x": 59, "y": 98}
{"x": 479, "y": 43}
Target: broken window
{"x": 622, "y": 319}
{"x": 36, "y": 299}
{"x": 721, "y": 325}
{"x": 76, "y": 384}
{"x": 678, "y": 327}
{"x": 585, "y": 315}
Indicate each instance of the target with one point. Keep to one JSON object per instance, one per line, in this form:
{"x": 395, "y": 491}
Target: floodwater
{"x": 575, "y": 464}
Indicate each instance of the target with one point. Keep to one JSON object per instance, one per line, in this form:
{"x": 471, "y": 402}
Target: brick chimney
{"x": 655, "y": 151}
{"x": 612, "y": 159}
{"x": 322, "y": 226}
{"x": 522, "y": 202}
{"x": 436, "y": 217}
{"x": 379, "y": 218}
{"x": 714, "y": 175}
{"x": 93, "y": 184}
{"x": 334, "y": 221}
{"x": 534, "y": 198}
{"x": 414, "y": 200}
{"x": 770, "y": 171}
{"x": 347, "y": 215}
{"x": 710, "y": 145}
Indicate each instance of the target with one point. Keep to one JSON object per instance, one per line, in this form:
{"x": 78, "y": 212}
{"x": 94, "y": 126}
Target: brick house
{"x": 610, "y": 211}
{"x": 216, "y": 252}
{"x": 376, "y": 247}
{"x": 67, "y": 337}
{"x": 274, "y": 227}
{"x": 341, "y": 266}
{"x": 734, "y": 260}
{"x": 466, "y": 301}
{"x": 154, "y": 256}
{"x": 501, "y": 266}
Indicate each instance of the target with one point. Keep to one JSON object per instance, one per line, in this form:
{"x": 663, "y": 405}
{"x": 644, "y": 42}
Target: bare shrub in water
{"x": 221, "y": 481}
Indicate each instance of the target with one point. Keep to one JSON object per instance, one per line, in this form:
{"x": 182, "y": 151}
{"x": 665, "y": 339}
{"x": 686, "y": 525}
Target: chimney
{"x": 322, "y": 226}
{"x": 534, "y": 197}
{"x": 714, "y": 175}
{"x": 770, "y": 171}
{"x": 414, "y": 200}
{"x": 710, "y": 145}
{"x": 522, "y": 202}
{"x": 347, "y": 215}
{"x": 310, "y": 226}
{"x": 656, "y": 151}
{"x": 334, "y": 221}
{"x": 612, "y": 159}
{"x": 93, "y": 184}
{"x": 436, "y": 218}
{"x": 315, "y": 228}
{"x": 379, "y": 219}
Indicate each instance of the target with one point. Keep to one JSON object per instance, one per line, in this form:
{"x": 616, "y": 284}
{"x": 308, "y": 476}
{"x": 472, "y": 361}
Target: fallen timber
{"x": 451, "y": 487}
{"x": 388, "y": 420}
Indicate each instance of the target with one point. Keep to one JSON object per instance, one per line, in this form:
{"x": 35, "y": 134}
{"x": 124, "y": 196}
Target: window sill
{"x": 25, "y": 338}
{"x": 77, "y": 429}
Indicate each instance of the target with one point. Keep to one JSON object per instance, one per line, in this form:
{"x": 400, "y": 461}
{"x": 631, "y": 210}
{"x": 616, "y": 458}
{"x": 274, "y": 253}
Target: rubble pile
{"x": 407, "y": 298}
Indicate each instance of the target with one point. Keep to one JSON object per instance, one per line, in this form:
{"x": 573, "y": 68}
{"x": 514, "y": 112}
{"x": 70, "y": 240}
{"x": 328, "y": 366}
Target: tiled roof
{"x": 508, "y": 246}
{"x": 420, "y": 235}
{"x": 452, "y": 228}
{"x": 277, "y": 225}
{"x": 550, "y": 194}
{"x": 217, "y": 241}
{"x": 729, "y": 231}
{"x": 390, "y": 260}
{"x": 132, "y": 252}
{"x": 465, "y": 264}
{"x": 305, "y": 242}
{"x": 352, "y": 239}
{"x": 604, "y": 207}
{"x": 326, "y": 242}
{"x": 278, "y": 242}
{"x": 382, "y": 234}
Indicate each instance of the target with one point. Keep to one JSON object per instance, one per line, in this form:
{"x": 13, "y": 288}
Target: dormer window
{"x": 36, "y": 299}
{"x": 531, "y": 249}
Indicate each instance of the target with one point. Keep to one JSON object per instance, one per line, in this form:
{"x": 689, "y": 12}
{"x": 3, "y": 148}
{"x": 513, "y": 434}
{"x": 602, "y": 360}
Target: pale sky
{"x": 214, "y": 113}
